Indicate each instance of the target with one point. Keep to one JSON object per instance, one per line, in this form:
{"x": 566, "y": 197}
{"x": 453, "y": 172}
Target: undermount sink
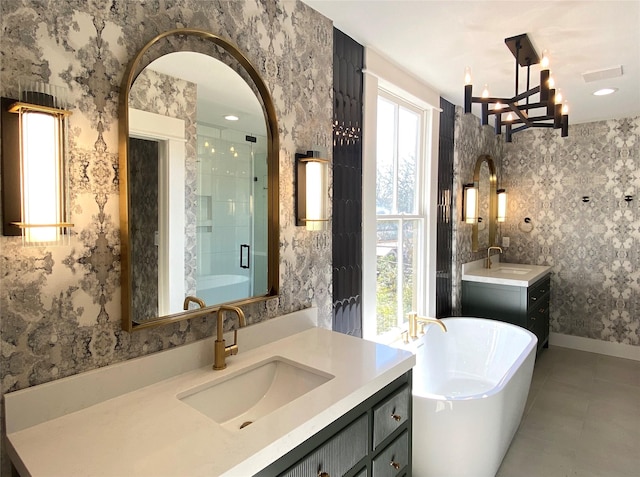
{"x": 240, "y": 399}
{"x": 513, "y": 270}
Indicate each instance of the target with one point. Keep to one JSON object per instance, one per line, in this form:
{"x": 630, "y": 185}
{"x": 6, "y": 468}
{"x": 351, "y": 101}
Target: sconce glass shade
{"x": 311, "y": 190}
{"x": 470, "y": 204}
{"x": 42, "y": 179}
{"x": 502, "y": 205}
{"x": 40, "y": 175}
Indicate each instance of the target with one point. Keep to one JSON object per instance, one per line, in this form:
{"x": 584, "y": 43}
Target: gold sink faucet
{"x": 414, "y": 320}
{"x": 220, "y": 351}
{"x": 194, "y": 299}
{"x": 488, "y": 262}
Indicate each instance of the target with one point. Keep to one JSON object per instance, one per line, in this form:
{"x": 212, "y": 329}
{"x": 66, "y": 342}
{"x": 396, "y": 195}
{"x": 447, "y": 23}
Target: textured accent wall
{"x": 61, "y": 306}
{"x": 446, "y": 215}
{"x": 592, "y": 246}
{"x": 348, "y": 61}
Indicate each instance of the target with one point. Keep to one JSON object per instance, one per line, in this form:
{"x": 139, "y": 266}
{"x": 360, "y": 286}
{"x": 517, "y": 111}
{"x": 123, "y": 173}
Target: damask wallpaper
{"x": 593, "y": 245}
{"x": 61, "y": 305}
{"x": 470, "y": 141}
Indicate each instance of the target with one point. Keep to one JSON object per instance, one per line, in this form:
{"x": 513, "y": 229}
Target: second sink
{"x": 240, "y": 399}
{"x": 513, "y": 270}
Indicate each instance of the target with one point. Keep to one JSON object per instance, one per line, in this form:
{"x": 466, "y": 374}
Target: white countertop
{"x": 500, "y": 273}
{"x": 150, "y": 432}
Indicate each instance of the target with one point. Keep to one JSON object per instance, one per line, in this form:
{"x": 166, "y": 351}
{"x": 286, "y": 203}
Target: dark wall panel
{"x": 348, "y": 62}
{"x": 444, "y": 219}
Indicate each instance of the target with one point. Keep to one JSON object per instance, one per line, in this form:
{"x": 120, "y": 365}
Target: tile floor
{"x": 582, "y": 418}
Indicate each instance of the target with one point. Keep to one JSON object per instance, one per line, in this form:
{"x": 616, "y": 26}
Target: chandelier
{"x": 521, "y": 111}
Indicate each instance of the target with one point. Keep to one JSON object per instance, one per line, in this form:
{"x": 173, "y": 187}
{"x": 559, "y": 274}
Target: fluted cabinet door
{"x": 338, "y": 455}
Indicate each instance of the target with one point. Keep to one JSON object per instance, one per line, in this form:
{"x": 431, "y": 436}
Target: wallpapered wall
{"x": 470, "y": 141}
{"x": 592, "y": 246}
{"x": 61, "y": 305}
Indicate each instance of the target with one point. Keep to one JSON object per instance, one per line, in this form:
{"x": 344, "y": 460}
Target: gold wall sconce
{"x": 502, "y": 205}
{"x": 34, "y": 185}
{"x": 470, "y": 203}
{"x": 311, "y": 198}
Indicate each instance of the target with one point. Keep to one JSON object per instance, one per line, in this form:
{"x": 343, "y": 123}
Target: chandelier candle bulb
{"x": 544, "y": 62}
{"x": 467, "y": 75}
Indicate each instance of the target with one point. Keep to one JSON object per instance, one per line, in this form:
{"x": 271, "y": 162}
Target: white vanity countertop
{"x": 500, "y": 273}
{"x": 150, "y": 432}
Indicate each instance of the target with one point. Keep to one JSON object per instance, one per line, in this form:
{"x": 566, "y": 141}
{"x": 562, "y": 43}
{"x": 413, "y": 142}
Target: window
{"x": 400, "y": 214}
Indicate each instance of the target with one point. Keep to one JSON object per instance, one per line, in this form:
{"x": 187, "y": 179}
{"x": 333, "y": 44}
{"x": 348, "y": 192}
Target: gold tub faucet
{"x": 414, "y": 320}
{"x": 194, "y": 299}
{"x": 220, "y": 351}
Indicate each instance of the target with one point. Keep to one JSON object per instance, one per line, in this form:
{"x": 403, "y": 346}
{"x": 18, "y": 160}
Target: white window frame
{"x": 381, "y": 75}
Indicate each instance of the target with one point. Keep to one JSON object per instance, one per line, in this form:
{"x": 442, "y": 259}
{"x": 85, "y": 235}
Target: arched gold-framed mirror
{"x": 187, "y": 174}
{"x": 483, "y": 232}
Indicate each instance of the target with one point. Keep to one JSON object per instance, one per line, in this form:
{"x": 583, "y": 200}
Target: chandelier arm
{"x": 526, "y": 126}
{"x": 525, "y": 94}
{"x": 533, "y": 106}
{"x": 521, "y": 114}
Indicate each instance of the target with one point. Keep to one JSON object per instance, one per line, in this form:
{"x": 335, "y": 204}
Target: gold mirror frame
{"x": 273, "y": 226}
{"x": 493, "y": 201}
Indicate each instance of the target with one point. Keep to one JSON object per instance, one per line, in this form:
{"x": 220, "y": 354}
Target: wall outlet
{"x": 506, "y": 241}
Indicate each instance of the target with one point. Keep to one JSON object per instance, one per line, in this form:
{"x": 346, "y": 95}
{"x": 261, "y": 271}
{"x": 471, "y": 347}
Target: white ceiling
{"x": 435, "y": 40}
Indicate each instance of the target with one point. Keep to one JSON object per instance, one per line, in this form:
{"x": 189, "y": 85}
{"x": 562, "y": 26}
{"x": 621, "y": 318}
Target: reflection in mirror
{"x": 202, "y": 185}
{"x": 484, "y": 178}
{"x": 483, "y": 205}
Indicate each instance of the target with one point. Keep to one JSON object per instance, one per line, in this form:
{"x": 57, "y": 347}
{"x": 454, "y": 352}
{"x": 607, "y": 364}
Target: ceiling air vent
{"x": 597, "y": 75}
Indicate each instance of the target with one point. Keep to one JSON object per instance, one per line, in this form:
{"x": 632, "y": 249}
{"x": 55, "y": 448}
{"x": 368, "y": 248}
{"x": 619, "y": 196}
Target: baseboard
{"x": 609, "y": 348}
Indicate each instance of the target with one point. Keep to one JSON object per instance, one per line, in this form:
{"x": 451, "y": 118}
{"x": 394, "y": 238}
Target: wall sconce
{"x": 33, "y": 177}
{"x": 470, "y": 203}
{"x": 502, "y": 205}
{"x": 311, "y": 190}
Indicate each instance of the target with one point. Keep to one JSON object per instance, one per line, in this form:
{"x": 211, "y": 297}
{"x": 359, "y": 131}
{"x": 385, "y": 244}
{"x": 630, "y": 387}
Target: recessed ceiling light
{"x": 605, "y": 91}
{"x": 231, "y": 117}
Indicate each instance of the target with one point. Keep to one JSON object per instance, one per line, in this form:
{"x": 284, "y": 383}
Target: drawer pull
{"x": 533, "y": 318}
{"x": 533, "y": 298}
{"x": 396, "y": 417}
{"x": 395, "y": 465}
{"x": 542, "y": 292}
{"x": 323, "y": 474}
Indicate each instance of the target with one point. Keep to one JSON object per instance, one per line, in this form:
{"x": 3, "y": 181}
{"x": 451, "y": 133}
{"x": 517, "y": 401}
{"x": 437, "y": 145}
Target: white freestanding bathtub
{"x": 470, "y": 386}
{"x": 215, "y": 289}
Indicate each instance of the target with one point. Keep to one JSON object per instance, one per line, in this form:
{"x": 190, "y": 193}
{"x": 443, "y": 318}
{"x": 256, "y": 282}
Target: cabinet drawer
{"x": 538, "y": 290}
{"x": 338, "y": 454}
{"x": 390, "y": 414}
{"x": 393, "y": 459}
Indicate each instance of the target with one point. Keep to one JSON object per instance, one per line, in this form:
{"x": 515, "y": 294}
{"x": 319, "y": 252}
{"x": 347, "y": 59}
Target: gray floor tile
{"x": 582, "y": 418}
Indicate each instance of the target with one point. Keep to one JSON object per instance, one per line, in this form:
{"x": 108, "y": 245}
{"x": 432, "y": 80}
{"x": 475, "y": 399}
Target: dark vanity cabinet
{"x": 371, "y": 440}
{"x": 523, "y": 306}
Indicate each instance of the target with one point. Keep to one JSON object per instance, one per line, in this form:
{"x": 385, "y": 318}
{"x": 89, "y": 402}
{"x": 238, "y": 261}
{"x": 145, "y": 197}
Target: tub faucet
{"x": 194, "y": 299}
{"x": 220, "y": 351}
{"x": 414, "y": 319}
{"x": 488, "y": 262}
